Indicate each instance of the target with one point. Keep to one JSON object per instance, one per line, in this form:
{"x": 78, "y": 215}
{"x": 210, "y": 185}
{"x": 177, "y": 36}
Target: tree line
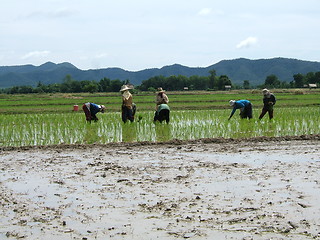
{"x": 299, "y": 81}
{"x": 70, "y": 85}
{"x": 172, "y": 83}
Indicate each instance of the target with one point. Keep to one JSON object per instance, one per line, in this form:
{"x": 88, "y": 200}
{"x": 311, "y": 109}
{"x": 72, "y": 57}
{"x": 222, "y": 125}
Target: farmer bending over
{"x": 269, "y": 100}
{"x": 162, "y": 113}
{"x": 91, "y": 109}
{"x": 245, "y": 107}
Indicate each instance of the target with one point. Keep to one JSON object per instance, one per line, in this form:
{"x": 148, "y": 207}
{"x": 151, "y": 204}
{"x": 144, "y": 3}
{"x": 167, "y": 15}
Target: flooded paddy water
{"x": 232, "y": 189}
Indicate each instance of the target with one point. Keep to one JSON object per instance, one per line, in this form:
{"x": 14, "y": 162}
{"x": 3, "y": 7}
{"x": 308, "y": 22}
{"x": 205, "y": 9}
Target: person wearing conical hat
{"x": 91, "y": 109}
{"x": 161, "y": 97}
{"x": 245, "y": 107}
{"x": 128, "y": 107}
{"x": 162, "y": 113}
{"x": 162, "y": 109}
{"x": 269, "y": 100}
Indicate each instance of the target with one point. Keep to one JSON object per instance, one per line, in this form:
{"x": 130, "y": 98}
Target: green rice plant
{"x": 72, "y": 128}
{"x": 200, "y": 100}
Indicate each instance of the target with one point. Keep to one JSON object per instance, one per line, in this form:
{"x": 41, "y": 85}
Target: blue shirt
{"x": 94, "y": 109}
{"x": 240, "y": 104}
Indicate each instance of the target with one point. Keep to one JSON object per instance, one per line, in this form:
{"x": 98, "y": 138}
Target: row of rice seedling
{"x": 71, "y": 128}
{"x": 63, "y": 103}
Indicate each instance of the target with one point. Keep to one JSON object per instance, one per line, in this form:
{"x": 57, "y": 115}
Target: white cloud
{"x": 35, "y": 54}
{"x": 205, "y": 11}
{"x": 147, "y": 34}
{"x": 249, "y": 42}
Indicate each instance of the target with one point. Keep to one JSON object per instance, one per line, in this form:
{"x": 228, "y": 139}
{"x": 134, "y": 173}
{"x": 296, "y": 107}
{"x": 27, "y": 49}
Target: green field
{"x": 63, "y": 103}
{"x": 48, "y": 119}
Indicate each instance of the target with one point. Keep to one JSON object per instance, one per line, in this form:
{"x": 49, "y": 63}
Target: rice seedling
{"x": 63, "y": 103}
{"x": 71, "y": 128}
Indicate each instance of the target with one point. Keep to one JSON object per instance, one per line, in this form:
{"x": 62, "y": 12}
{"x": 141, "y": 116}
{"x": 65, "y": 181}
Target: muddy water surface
{"x": 241, "y": 190}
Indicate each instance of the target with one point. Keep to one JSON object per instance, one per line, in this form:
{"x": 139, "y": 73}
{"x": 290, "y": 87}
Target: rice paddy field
{"x": 198, "y": 177}
{"x": 33, "y": 119}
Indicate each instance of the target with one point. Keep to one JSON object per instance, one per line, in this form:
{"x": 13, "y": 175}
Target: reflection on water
{"x": 163, "y": 132}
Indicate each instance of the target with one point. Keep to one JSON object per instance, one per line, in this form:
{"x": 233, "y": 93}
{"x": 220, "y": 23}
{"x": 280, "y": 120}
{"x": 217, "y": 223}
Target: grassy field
{"x": 63, "y": 103}
{"x": 35, "y": 119}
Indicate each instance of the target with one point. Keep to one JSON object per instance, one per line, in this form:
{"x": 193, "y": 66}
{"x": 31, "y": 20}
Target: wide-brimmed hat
{"x": 232, "y": 102}
{"x": 124, "y": 88}
{"x": 160, "y": 90}
{"x": 266, "y": 92}
{"x": 103, "y": 108}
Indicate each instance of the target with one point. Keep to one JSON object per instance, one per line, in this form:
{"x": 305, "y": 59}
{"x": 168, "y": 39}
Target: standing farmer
{"x": 91, "y": 109}
{"x": 245, "y": 107}
{"x": 161, "y": 97}
{"x": 269, "y": 100}
{"x": 128, "y": 108}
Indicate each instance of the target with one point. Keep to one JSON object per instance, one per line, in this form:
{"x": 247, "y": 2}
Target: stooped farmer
{"x": 91, "y": 109}
{"x": 162, "y": 113}
{"x": 245, "y": 107}
{"x": 128, "y": 108}
{"x": 269, "y": 100}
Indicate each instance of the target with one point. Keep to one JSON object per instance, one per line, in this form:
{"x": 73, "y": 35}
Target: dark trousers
{"x": 163, "y": 115}
{"x": 128, "y": 113}
{"x": 266, "y": 110}
{"x": 88, "y": 114}
{"x": 246, "y": 111}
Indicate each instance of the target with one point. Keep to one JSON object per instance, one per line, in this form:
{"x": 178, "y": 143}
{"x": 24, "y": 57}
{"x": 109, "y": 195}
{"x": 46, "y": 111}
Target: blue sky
{"x": 140, "y": 34}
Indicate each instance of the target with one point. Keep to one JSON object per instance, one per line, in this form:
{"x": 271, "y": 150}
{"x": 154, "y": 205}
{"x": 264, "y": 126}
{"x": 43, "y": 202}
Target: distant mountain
{"x": 238, "y": 70}
{"x": 256, "y": 71}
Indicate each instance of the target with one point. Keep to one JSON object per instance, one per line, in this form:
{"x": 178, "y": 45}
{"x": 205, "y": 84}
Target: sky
{"x": 140, "y": 34}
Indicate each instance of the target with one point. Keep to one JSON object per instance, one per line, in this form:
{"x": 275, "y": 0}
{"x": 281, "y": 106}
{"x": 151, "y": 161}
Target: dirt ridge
{"x": 314, "y": 137}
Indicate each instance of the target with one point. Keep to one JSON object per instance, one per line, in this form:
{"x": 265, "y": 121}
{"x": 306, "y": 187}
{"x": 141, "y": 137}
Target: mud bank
{"x": 312, "y": 137}
{"x": 204, "y": 189}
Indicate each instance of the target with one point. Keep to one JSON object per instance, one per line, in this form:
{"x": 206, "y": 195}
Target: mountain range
{"x": 238, "y": 70}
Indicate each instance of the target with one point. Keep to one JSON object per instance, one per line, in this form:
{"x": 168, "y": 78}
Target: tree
{"x": 220, "y": 83}
{"x": 298, "y": 80}
{"x": 317, "y": 78}
{"x": 212, "y": 79}
{"x": 41, "y": 88}
{"x": 223, "y": 81}
{"x": 198, "y": 82}
{"x": 91, "y": 87}
{"x": 66, "y": 85}
{"x": 55, "y": 87}
{"x": 76, "y": 86}
{"x": 246, "y": 84}
{"x": 105, "y": 85}
{"x": 152, "y": 89}
{"x": 14, "y": 90}
{"x": 155, "y": 82}
{"x": 272, "y": 81}
{"x": 310, "y": 77}
{"x": 25, "y": 89}
{"x": 115, "y": 85}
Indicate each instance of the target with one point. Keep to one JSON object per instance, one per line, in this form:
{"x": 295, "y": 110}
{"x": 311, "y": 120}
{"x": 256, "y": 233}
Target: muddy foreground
{"x": 261, "y": 189}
